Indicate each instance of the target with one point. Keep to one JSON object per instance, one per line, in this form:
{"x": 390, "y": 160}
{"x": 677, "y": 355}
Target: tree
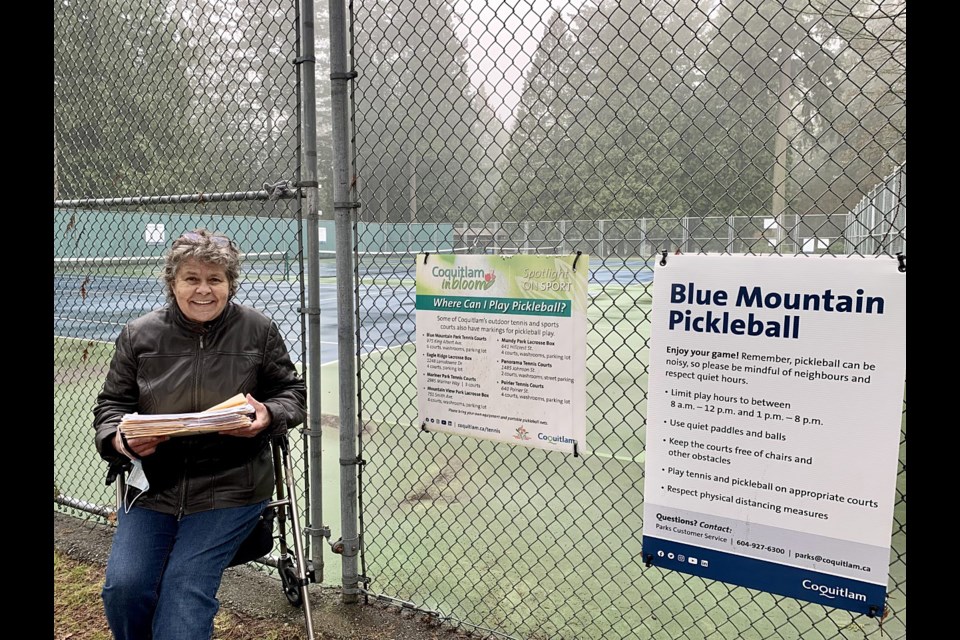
{"x": 606, "y": 128}
{"x": 418, "y": 126}
{"x": 244, "y": 89}
{"x": 856, "y": 134}
{"x": 324, "y": 108}
{"x": 123, "y": 110}
{"x": 750, "y": 108}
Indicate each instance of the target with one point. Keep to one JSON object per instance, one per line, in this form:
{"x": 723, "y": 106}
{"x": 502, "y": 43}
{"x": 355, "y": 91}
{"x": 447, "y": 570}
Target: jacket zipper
{"x": 183, "y": 489}
{"x": 186, "y": 460}
{"x": 196, "y": 376}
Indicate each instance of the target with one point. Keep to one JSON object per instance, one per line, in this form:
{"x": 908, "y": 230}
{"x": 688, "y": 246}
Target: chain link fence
{"x": 620, "y": 129}
{"x": 878, "y": 224}
{"x": 168, "y": 116}
{"x": 809, "y": 234}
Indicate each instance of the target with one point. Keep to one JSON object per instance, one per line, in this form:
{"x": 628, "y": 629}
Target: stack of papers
{"x": 230, "y": 414}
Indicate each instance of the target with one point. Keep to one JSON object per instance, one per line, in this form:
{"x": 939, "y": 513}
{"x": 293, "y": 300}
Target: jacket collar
{"x": 200, "y": 327}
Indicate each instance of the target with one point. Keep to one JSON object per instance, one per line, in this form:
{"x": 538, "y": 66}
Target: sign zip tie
{"x": 423, "y": 427}
{"x": 576, "y": 453}
{"x": 425, "y": 256}
{"x": 663, "y": 258}
{"x": 575, "y": 268}
{"x": 648, "y": 560}
{"x": 902, "y": 262}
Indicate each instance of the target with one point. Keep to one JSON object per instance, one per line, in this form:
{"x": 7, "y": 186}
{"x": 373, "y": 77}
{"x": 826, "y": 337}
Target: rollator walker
{"x": 292, "y": 568}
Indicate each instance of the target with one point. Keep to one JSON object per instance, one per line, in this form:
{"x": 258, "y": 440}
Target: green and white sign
{"x": 501, "y": 347}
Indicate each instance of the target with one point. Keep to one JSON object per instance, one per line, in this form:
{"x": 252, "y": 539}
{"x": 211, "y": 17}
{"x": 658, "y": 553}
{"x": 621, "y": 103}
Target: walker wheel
{"x": 291, "y": 582}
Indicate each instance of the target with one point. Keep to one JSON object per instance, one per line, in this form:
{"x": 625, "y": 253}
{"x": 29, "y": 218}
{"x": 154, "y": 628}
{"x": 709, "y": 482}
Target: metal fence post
{"x": 343, "y": 208}
{"x": 309, "y": 184}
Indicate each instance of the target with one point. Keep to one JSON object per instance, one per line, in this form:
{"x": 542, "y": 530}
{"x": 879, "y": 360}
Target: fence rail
{"x": 808, "y": 234}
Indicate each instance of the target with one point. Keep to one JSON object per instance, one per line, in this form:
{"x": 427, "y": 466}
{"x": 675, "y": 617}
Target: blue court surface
{"x": 108, "y": 302}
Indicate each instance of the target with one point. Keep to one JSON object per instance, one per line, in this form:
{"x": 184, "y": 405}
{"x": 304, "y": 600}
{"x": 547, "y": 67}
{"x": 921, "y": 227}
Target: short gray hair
{"x": 206, "y": 247}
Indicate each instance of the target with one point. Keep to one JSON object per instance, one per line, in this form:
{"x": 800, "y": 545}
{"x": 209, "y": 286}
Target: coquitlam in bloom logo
{"x": 464, "y": 278}
{"x": 522, "y": 433}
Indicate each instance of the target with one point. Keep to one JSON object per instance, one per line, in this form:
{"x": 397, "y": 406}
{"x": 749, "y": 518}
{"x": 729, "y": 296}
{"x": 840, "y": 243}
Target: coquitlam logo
{"x": 833, "y": 592}
{"x": 464, "y": 278}
{"x": 522, "y": 433}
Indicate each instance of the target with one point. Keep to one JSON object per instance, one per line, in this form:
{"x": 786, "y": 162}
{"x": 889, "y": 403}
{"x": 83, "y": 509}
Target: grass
{"x": 78, "y": 609}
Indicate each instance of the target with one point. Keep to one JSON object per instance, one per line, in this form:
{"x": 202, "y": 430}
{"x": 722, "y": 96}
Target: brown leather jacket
{"x": 164, "y": 363}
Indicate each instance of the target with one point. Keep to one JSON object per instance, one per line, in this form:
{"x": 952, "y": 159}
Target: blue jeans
{"x": 163, "y": 574}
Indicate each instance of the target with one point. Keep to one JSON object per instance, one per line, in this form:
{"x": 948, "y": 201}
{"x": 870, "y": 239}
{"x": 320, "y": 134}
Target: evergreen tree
{"x": 600, "y": 129}
{"x": 417, "y": 122}
{"x": 244, "y": 89}
{"x": 123, "y": 106}
{"x": 757, "y": 109}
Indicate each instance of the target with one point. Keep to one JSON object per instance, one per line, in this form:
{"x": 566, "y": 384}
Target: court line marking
{"x": 387, "y": 348}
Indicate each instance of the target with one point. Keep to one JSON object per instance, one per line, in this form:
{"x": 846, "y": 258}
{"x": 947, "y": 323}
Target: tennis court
{"x": 95, "y": 306}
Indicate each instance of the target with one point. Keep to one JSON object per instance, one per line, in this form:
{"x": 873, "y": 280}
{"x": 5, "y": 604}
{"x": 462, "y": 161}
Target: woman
{"x": 202, "y": 493}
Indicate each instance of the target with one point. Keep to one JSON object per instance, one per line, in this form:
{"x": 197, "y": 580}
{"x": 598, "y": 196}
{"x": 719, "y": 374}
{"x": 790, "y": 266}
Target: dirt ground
{"x": 251, "y": 593}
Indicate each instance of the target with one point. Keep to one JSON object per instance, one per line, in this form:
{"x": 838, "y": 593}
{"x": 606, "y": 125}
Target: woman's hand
{"x": 260, "y": 422}
{"x": 142, "y": 446}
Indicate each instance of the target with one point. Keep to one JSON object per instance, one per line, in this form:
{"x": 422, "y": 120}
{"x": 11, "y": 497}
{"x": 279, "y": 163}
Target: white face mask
{"x": 138, "y": 480}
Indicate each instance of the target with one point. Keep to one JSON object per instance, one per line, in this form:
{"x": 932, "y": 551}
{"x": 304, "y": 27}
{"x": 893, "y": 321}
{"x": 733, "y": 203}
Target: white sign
{"x": 773, "y": 423}
{"x": 155, "y": 233}
{"x": 501, "y": 343}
